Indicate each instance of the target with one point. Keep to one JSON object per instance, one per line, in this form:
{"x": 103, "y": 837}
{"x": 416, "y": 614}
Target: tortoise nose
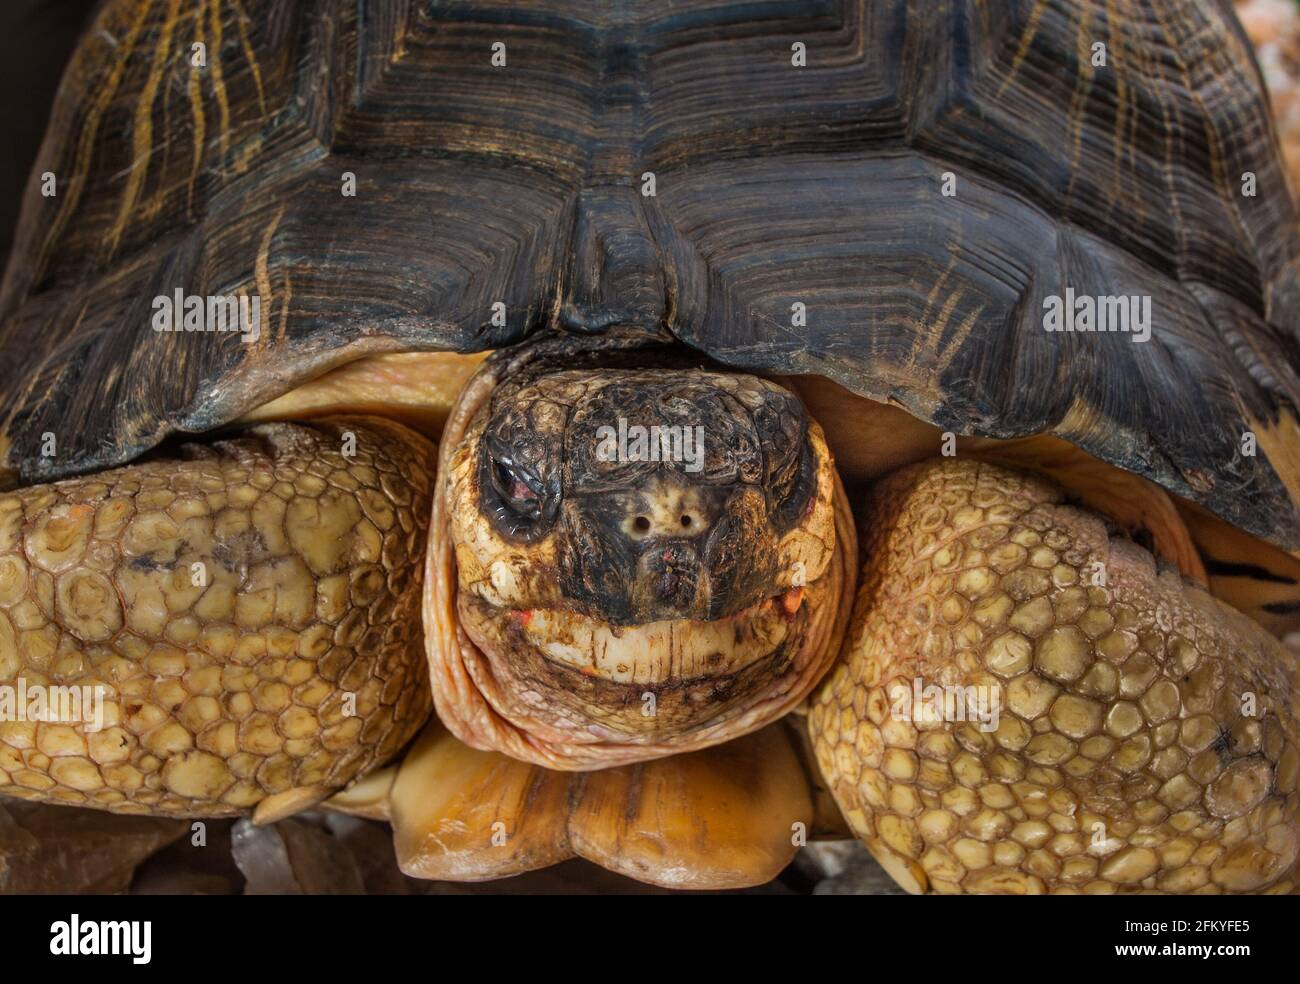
{"x": 668, "y": 509}
{"x": 663, "y": 523}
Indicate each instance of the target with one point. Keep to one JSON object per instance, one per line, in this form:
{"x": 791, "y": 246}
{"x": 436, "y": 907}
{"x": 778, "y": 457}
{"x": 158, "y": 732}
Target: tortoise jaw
{"x": 657, "y": 681}
{"x": 682, "y": 651}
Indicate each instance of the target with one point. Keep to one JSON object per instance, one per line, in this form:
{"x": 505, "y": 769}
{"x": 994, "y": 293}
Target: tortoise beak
{"x": 670, "y": 583}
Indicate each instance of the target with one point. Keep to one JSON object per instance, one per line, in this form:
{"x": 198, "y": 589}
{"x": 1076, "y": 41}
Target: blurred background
{"x": 36, "y": 37}
{"x": 1274, "y": 29}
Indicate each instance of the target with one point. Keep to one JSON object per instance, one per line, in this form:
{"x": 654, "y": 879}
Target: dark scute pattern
{"x": 775, "y": 185}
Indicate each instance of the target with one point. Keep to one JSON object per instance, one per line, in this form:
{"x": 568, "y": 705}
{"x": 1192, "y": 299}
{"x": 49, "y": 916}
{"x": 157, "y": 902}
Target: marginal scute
{"x": 468, "y": 815}
{"x": 724, "y": 817}
{"x": 1144, "y": 738}
{"x": 228, "y": 658}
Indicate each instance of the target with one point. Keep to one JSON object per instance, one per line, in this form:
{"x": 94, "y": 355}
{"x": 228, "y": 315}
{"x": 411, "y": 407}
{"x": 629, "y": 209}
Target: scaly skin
{"x": 1124, "y": 757}
{"x": 231, "y": 693}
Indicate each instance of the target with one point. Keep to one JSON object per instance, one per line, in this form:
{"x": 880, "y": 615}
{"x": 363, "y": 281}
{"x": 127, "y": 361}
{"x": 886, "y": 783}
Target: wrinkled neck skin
{"x": 633, "y": 554}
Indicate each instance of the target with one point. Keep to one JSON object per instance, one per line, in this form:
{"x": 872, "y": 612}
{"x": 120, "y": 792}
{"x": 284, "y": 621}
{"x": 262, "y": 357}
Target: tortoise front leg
{"x": 239, "y": 623}
{"x": 1028, "y": 703}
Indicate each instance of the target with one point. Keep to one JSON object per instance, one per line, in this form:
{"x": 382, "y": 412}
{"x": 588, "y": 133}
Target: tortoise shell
{"x": 921, "y": 177}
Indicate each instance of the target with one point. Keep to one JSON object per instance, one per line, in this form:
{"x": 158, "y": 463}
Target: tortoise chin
{"x": 644, "y": 563}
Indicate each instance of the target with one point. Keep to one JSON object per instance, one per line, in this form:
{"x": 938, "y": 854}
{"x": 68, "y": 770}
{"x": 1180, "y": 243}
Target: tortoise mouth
{"x": 594, "y": 694}
{"x": 667, "y": 653}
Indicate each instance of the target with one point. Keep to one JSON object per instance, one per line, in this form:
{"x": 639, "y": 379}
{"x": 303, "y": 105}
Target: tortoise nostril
{"x": 686, "y": 522}
{"x": 641, "y": 524}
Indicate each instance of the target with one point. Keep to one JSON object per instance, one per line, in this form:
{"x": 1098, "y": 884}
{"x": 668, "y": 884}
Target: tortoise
{"x": 889, "y": 430}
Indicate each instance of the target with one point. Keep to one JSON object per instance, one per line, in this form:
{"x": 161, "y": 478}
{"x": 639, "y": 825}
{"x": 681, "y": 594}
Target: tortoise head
{"x": 645, "y": 561}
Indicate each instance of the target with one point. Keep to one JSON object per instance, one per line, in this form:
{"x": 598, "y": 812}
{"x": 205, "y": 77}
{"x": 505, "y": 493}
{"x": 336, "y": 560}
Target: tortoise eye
{"x": 520, "y": 491}
{"x": 521, "y": 504}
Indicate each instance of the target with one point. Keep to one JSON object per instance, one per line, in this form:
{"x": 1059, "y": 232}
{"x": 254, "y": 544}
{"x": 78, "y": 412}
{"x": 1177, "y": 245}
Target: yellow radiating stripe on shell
{"x": 142, "y": 128}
